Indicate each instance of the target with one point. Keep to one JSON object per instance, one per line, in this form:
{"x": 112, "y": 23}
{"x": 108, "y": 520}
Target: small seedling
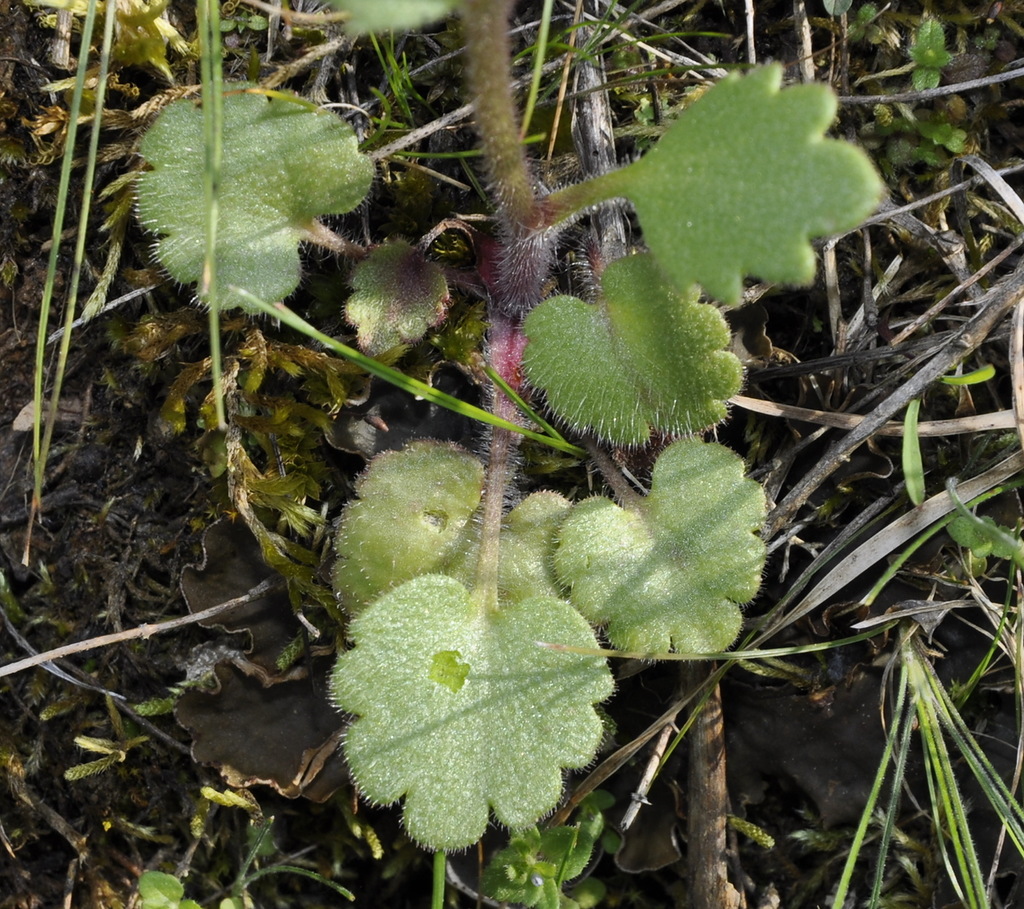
{"x": 929, "y": 54}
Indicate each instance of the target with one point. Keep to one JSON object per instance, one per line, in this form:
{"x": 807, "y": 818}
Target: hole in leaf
{"x": 449, "y": 669}
{"x": 437, "y": 520}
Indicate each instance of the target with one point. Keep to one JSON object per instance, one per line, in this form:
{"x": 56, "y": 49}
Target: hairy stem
{"x": 525, "y": 260}
{"x": 489, "y": 76}
{"x": 321, "y": 235}
{"x": 506, "y": 341}
{"x": 503, "y": 442}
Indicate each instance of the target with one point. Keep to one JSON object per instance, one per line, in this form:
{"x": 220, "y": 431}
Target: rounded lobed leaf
{"x": 415, "y": 513}
{"x": 528, "y": 538}
{"x": 672, "y": 570}
{"x": 497, "y": 739}
{"x": 398, "y": 296}
{"x": 283, "y": 165}
{"x": 413, "y": 516}
{"x": 742, "y": 180}
{"x": 645, "y": 356}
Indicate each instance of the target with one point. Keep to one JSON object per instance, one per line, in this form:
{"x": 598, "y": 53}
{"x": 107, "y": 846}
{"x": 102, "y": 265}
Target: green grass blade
{"x": 913, "y": 466}
{"x": 538, "y": 67}
{"x": 517, "y": 399}
{"x": 40, "y": 446}
{"x": 1008, "y": 808}
{"x": 947, "y": 800}
{"x": 975, "y": 377}
{"x": 733, "y": 656}
{"x": 213, "y": 119}
{"x": 41, "y": 438}
{"x": 903, "y": 720}
{"x": 898, "y": 727}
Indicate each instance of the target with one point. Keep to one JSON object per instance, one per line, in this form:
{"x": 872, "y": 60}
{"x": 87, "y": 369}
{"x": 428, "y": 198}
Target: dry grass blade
{"x": 996, "y": 304}
{"x": 1017, "y": 368}
{"x": 139, "y": 632}
{"x": 892, "y": 537}
{"x": 984, "y": 422}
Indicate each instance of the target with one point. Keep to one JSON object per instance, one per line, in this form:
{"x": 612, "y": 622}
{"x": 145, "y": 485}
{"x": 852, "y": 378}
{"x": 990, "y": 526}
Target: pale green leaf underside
{"x": 398, "y": 295}
{"x": 283, "y": 165}
{"x": 645, "y": 355}
{"x": 382, "y": 15}
{"x": 500, "y": 741}
{"x": 742, "y": 181}
{"x": 414, "y": 515}
{"x": 671, "y": 571}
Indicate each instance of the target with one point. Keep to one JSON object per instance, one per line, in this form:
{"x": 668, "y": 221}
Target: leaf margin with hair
{"x": 398, "y": 294}
{"x": 658, "y": 574}
{"x": 733, "y": 188}
{"x": 501, "y": 740}
{"x": 283, "y": 165}
{"x": 643, "y": 357}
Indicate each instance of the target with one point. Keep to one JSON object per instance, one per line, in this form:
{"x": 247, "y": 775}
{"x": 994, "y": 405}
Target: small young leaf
{"x": 925, "y": 77}
{"x": 643, "y": 356}
{"x": 381, "y": 15}
{"x": 670, "y": 571}
{"x": 741, "y": 182}
{"x": 398, "y": 296}
{"x": 500, "y": 741}
{"x": 532, "y": 869}
{"x": 283, "y": 165}
{"x": 938, "y": 131}
{"x": 929, "y": 47}
{"x": 163, "y": 891}
{"x": 524, "y": 872}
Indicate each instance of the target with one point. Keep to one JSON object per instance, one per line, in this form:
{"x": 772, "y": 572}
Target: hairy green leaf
{"x": 414, "y": 515}
{"x": 644, "y": 356}
{"x": 381, "y": 15}
{"x": 528, "y": 538}
{"x": 929, "y": 48}
{"x": 499, "y": 740}
{"x": 398, "y": 296}
{"x": 670, "y": 570}
{"x": 283, "y": 165}
{"x": 741, "y": 182}
{"x": 984, "y": 537}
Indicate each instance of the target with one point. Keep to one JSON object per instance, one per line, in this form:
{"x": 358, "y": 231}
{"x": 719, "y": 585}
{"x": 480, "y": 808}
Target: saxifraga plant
{"x": 457, "y": 710}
